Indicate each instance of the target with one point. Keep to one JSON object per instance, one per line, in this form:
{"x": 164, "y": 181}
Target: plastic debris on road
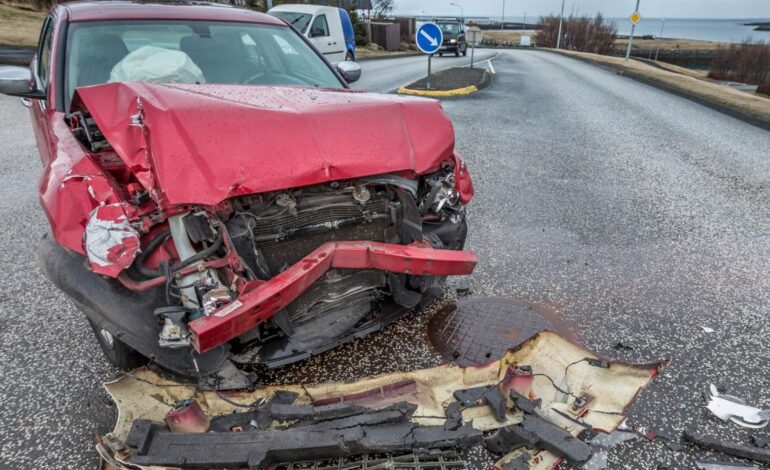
{"x": 730, "y": 408}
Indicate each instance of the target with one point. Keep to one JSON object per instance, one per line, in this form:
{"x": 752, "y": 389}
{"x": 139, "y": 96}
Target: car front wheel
{"x": 117, "y": 352}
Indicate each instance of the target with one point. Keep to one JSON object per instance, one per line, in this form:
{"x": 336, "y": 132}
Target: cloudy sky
{"x": 610, "y": 8}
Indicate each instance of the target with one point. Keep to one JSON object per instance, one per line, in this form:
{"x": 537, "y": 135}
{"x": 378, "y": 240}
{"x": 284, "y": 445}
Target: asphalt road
{"x": 387, "y": 75}
{"x": 636, "y": 215}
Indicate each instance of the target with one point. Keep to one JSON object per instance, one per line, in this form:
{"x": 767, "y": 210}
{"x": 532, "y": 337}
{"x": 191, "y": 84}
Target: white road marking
{"x": 491, "y": 67}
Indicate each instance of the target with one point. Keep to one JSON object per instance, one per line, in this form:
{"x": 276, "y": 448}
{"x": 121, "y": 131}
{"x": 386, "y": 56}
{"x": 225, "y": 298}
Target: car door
{"x": 320, "y": 36}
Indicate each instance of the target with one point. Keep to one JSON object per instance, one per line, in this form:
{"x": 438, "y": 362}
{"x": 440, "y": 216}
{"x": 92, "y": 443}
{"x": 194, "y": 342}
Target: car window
{"x": 177, "y": 51}
{"x": 44, "y": 54}
{"x": 320, "y": 27}
{"x": 298, "y": 20}
{"x": 450, "y": 28}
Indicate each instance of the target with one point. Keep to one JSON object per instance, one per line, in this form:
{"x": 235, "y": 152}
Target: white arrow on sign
{"x": 433, "y": 41}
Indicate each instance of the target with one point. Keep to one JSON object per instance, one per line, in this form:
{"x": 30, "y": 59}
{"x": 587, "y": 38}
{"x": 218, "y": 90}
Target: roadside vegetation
{"x": 746, "y": 63}
{"x": 20, "y": 24}
{"x": 579, "y": 33}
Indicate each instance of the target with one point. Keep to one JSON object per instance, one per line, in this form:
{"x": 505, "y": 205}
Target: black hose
{"x": 159, "y": 240}
{"x": 203, "y": 254}
{"x": 139, "y": 261}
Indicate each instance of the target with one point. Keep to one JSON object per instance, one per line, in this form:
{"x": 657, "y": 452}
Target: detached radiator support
{"x": 261, "y": 300}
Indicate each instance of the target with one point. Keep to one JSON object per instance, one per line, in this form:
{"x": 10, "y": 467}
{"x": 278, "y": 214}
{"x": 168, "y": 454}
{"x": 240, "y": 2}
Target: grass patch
{"x": 19, "y": 25}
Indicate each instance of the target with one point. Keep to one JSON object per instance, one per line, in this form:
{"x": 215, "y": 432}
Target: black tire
{"x": 349, "y": 57}
{"x": 441, "y": 54}
{"x": 116, "y": 351}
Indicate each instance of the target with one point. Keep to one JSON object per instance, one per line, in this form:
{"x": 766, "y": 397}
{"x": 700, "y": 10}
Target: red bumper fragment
{"x": 261, "y": 302}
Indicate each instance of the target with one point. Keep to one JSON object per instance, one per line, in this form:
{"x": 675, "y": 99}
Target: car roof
{"x": 176, "y": 10}
{"x": 294, "y": 7}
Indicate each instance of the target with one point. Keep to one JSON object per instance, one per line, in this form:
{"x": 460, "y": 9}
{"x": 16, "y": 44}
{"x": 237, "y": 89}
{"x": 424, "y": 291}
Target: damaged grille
{"x": 280, "y": 240}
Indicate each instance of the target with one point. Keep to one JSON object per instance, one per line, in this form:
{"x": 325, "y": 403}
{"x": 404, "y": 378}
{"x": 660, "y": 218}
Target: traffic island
{"x": 458, "y": 81}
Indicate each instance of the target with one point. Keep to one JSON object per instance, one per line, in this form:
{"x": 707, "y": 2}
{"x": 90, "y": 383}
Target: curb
{"x": 464, "y": 91}
{"x": 724, "y": 109}
{"x": 439, "y": 93}
{"x": 383, "y": 57}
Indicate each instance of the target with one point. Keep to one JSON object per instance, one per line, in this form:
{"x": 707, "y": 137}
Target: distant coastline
{"x": 759, "y": 26}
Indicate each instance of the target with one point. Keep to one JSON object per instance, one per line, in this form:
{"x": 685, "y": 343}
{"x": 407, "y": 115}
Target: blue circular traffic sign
{"x": 429, "y": 38}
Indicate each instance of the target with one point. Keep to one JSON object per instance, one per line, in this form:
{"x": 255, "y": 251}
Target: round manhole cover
{"x": 479, "y": 330}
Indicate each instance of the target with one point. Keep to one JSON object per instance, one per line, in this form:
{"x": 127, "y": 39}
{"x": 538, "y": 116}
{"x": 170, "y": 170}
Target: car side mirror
{"x": 15, "y": 81}
{"x": 350, "y": 71}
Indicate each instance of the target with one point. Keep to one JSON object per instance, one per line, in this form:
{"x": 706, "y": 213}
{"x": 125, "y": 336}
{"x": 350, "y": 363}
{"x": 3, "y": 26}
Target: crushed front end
{"x": 259, "y": 277}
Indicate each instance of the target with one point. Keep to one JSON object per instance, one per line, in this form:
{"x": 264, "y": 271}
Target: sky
{"x": 610, "y": 8}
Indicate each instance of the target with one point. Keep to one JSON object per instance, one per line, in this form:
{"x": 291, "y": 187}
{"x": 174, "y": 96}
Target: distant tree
{"x": 584, "y": 34}
{"x": 748, "y": 63}
{"x": 381, "y": 9}
{"x": 359, "y": 28}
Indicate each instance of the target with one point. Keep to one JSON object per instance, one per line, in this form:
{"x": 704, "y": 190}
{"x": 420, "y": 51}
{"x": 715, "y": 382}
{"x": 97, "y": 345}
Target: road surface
{"x": 636, "y": 215}
{"x": 387, "y": 75}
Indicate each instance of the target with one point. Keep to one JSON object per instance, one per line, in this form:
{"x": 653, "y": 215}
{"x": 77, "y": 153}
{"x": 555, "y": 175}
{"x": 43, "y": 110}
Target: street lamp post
{"x": 631, "y": 38}
{"x": 502, "y": 19}
{"x": 657, "y": 49}
{"x": 561, "y": 18}
{"x": 462, "y": 12}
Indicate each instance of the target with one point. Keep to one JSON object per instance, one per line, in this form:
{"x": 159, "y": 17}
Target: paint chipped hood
{"x": 202, "y": 144}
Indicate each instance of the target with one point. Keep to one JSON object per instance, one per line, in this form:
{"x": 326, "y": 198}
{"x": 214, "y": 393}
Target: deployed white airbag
{"x": 156, "y": 65}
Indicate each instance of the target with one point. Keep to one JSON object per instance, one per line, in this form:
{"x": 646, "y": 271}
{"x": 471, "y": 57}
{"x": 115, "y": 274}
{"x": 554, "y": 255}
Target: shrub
{"x": 747, "y": 63}
{"x": 584, "y": 34}
{"x": 359, "y": 28}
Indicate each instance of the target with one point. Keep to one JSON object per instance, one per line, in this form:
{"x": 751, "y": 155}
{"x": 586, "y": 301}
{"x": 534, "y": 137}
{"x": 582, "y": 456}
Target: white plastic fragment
{"x": 724, "y": 466}
{"x": 706, "y": 329}
{"x": 110, "y": 242}
{"x": 730, "y": 408}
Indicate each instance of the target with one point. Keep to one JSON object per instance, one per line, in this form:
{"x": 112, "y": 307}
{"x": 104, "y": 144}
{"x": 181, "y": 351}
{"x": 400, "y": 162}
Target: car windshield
{"x": 296, "y": 19}
{"x": 191, "y": 52}
{"x": 450, "y": 28}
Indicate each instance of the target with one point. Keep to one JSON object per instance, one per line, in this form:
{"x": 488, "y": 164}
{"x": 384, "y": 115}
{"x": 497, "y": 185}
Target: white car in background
{"x": 329, "y": 29}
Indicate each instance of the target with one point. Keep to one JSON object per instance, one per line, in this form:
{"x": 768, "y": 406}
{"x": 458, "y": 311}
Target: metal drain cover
{"x": 481, "y": 329}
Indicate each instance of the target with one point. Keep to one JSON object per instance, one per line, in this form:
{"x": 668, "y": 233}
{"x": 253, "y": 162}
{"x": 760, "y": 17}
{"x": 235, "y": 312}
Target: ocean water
{"x": 706, "y": 30}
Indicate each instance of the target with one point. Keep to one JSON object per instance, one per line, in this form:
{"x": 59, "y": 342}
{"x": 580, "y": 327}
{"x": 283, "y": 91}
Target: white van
{"x": 328, "y": 28}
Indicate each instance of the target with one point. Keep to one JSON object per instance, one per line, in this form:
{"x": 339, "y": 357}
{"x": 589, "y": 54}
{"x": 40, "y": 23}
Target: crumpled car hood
{"x": 202, "y": 144}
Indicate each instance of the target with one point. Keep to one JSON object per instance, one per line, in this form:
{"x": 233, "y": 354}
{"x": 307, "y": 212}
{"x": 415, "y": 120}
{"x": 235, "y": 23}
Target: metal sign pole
{"x": 473, "y": 49}
{"x": 428, "y": 84}
{"x": 631, "y": 38}
{"x": 561, "y": 19}
{"x": 660, "y": 38}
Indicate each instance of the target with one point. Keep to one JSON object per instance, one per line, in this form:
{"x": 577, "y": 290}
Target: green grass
{"x": 19, "y": 25}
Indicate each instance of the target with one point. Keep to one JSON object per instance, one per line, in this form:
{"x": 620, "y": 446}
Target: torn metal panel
{"x": 176, "y": 153}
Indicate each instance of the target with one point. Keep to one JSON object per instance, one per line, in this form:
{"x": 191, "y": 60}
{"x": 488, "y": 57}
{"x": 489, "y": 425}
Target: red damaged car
{"x": 219, "y": 198}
